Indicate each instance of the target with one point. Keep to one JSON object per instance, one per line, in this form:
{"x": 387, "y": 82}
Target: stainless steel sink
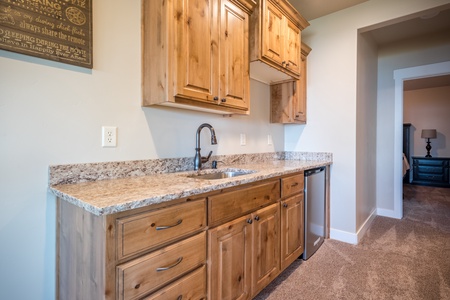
{"x": 221, "y": 174}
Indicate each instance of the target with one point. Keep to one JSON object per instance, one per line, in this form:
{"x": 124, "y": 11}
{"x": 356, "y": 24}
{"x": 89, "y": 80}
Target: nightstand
{"x": 431, "y": 171}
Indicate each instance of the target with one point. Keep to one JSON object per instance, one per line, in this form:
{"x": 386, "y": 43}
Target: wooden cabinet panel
{"x": 229, "y": 260}
{"x": 292, "y": 185}
{"x": 292, "y": 47}
{"x": 147, "y": 273}
{"x": 196, "y": 49}
{"x": 234, "y": 59}
{"x": 230, "y": 205}
{"x": 147, "y": 230}
{"x": 272, "y": 35}
{"x": 276, "y": 28}
{"x": 288, "y": 98}
{"x": 195, "y": 54}
{"x": 292, "y": 229}
{"x": 191, "y": 286}
{"x": 266, "y": 247}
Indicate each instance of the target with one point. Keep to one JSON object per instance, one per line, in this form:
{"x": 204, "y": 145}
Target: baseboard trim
{"x": 353, "y": 238}
{"x": 363, "y": 229}
{"x": 387, "y": 213}
{"x": 343, "y": 236}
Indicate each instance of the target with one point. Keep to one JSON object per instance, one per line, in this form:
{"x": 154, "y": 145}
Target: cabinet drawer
{"x": 292, "y": 185}
{"x": 147, "y": 273}
{"x": 431, "y": 162}
{"x": 429, "y": 169}
{"x": 147, "y": 230}
{"x": 230, "y": 205}
{"x": 430, "y": 177}
{"x": 191, "y": 286}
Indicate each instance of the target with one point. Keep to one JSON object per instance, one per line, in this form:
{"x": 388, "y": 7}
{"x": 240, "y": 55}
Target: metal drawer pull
{"x": 294, "y": 184}
{"x": 170, "y": 267}
{"x": 169, "y": 226}
{"x": 180, "y": 297}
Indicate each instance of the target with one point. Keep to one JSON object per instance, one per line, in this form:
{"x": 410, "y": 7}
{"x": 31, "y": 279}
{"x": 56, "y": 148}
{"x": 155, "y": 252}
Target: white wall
{"x": 52, "y": 113}
{"x": 332, "y": 82}
{"x": 428, "y": 109}
{"x": 366, "y": 130}
{"x": 403, "y": 54}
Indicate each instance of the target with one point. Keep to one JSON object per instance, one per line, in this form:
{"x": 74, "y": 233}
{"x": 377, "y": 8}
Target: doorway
{"x": 400, "y": 76}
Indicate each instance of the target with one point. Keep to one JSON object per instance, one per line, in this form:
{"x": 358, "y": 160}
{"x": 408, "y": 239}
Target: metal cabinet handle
{"x": 294, "y": 184}
{"x": 285, "y": 205}
{"x": 257, "y": 218}
{"x": 249, "y": 221}
{"x": 224, "y": 100}
{"x": 180, "y": 297}
{"x": 171, "y": 266}
{"x": 169, "y": 226}
{"x": 216, "y": 98}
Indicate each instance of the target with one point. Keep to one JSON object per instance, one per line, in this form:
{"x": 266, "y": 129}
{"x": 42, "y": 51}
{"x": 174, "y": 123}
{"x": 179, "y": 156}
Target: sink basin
{"x": 221, "y": 174}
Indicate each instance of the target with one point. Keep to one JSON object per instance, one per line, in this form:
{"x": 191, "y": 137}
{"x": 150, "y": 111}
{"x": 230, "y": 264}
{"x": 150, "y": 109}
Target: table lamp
{"x": 428, "y": 134}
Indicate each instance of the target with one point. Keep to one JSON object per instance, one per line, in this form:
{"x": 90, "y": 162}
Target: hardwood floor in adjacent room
{"x": 396, "y": 259}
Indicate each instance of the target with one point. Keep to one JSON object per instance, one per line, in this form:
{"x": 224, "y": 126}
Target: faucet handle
{"x": 205, "y": 159}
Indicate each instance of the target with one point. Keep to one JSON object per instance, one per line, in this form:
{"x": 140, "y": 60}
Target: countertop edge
{"x": 207, "y": 186}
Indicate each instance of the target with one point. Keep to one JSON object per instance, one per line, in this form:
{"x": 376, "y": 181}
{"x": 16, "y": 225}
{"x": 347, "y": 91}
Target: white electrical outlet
{"x": 269, "y": 139}
{"x": 243, "y": 139}
{"x": 109, "y": 136}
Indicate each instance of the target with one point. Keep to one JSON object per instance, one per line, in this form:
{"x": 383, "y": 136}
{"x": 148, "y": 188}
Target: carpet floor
{"x": 396, "y": 259}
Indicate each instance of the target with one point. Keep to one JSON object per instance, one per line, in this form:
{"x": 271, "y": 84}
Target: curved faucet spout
{"x": 198, "y": 159}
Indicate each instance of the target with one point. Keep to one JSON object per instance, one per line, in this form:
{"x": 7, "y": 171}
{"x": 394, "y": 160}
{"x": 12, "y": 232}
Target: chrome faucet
{"x": 199, "y": 159}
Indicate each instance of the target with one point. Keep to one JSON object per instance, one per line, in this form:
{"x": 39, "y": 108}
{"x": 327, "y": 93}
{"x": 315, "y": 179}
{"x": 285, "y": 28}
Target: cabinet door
{"x": 292, "y": 44}
{"x": 292, "y": 229}
{"x": 234, "y": 57}
{"x": 299, "y": 98}
{"x": 266, "y": 247}
{"x": 272, "y": 36}
{"x": 230, "y": 250}
{"x": 195, "y": 48}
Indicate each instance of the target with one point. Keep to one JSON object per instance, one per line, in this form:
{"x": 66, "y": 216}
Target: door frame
{"x": 400, "y": 75}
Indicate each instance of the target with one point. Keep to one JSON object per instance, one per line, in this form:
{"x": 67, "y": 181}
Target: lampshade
{"x": 428, "y": 133}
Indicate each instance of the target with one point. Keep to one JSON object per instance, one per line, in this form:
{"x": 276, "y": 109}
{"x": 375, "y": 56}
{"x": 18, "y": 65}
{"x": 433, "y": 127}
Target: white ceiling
{"x": 432, "y": 21}
{"x": 313, "y": 9}
{"x": 426, "y": 83}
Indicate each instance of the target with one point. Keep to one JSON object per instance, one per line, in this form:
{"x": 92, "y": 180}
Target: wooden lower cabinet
{"x": 292, "y": 229}
{"x": 229, "y": 260}
{"x": 145, "y": 274}
{"x": 266, "y": 247}
{"x": 132, "y": 254}
{"x": 244, "y": 254}
{"x": 192, "y": 286}
{"x": 245, "y": 235}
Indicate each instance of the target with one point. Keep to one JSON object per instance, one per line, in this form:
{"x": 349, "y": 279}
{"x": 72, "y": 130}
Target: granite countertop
{"x": 102, "y": 197}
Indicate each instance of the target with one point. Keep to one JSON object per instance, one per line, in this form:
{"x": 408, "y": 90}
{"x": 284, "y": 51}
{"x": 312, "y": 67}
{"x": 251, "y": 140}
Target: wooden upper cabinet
{"x": 288, "y": 98}
{"x": 275, "y": 40}
{"x": 292, "y": 47}
{"x": 272, "y": 35}
{"x": 234, "y": 59}
{"x": 195, "y": 50}
{"x": 195, "y": 54}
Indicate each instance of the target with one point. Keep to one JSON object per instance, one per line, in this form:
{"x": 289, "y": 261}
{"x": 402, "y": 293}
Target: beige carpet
{"x": 397, "y": 259}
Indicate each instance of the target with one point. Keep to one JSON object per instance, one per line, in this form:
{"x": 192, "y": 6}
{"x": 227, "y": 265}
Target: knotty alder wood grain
{"x": 50, "y": 29}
